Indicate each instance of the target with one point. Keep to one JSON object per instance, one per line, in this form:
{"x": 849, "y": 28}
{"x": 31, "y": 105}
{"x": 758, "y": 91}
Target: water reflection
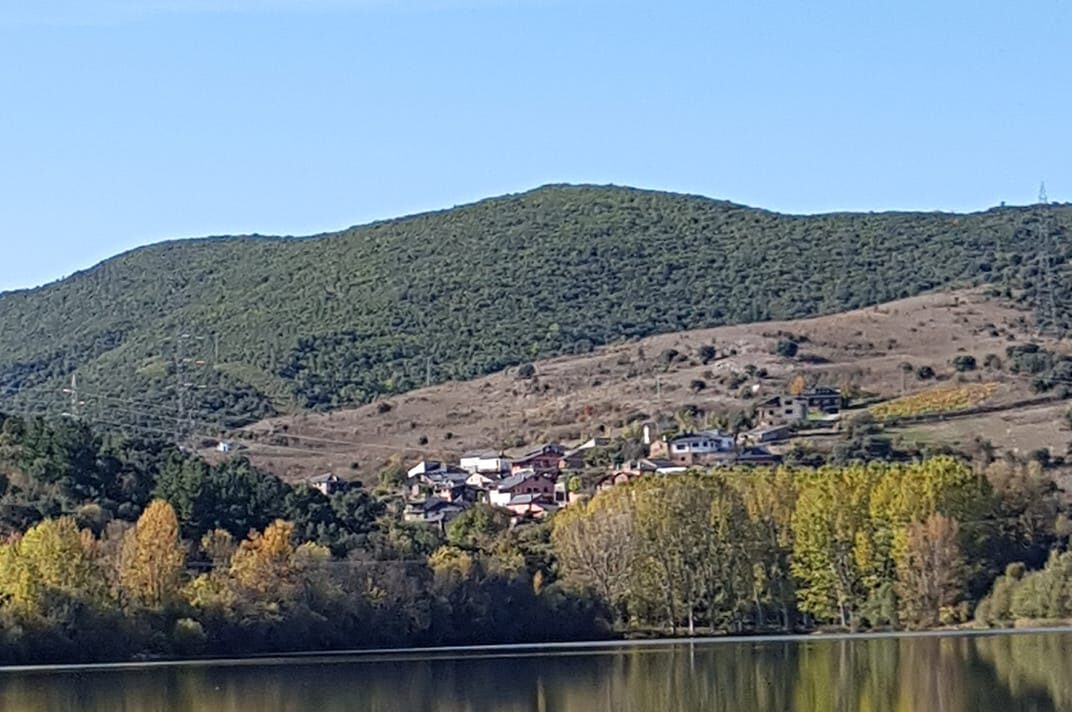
{"x": 938, "y": 674}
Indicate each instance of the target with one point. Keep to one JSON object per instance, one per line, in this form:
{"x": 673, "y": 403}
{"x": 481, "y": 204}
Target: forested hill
{"x": 253, "y": 324}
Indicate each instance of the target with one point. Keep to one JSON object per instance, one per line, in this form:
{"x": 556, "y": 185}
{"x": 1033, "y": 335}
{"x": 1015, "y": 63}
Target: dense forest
{"x": 220, "y": 331}
{"x": 117, "y": 548}
{"x": 859, "y": 545}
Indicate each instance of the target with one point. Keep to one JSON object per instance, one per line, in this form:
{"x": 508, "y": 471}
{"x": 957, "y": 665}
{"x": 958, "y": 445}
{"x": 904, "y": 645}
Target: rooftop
{"x": 487, "y": 453}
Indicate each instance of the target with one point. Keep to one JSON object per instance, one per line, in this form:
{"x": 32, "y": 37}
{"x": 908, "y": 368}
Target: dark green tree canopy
{"x": 259, "y": 324}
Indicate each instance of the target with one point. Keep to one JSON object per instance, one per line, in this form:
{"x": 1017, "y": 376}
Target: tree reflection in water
{"x": 936, "y": 674}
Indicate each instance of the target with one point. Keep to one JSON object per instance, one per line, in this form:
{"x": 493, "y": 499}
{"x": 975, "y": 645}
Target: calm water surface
{"x": 934, "y": 674}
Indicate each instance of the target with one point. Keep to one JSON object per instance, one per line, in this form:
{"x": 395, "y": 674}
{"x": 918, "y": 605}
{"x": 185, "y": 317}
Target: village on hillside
{"x": 539, "y": 481}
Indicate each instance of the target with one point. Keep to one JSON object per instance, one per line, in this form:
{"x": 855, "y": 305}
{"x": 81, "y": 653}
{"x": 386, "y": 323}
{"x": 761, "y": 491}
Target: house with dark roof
{"x": 526, "y": 482}
{"x": 532, "y": 506}
{"x": 484, "y": 480}
{"x": 327, "y": 483}
{"x": 654, "y": 466}
{"x": 789, "y": 409}
{"x": 433, "y": 510}
{"x": 758, "y": 456}
{"x": 750, "y": 456}
{"x": 429, "y": 482}
{"x": 543, "y": 459}
{"x": 769, "y": 434}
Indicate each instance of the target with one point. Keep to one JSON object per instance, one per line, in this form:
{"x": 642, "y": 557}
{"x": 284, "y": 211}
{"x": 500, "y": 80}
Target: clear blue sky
{"x": 124, "y": 122}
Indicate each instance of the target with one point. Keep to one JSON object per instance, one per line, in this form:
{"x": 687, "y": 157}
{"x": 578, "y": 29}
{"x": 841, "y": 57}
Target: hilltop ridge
{"x": 232, "y": 329}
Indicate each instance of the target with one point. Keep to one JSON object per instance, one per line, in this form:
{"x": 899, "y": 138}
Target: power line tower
{"x": 72, "y": 392}
{"x": 1046, "y": 244}
{"x": 183, "y": 383}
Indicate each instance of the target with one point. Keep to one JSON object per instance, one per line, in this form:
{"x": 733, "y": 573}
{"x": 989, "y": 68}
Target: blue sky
{"x": 124, "y": 122}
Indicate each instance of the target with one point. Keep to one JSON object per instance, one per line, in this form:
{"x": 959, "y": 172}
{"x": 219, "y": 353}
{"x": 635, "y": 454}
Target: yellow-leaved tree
{"x": 152, "y": 559}
{"x": 52, "y": 557}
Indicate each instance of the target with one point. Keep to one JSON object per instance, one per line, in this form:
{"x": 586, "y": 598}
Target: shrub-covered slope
{"x": 253, "y": 324}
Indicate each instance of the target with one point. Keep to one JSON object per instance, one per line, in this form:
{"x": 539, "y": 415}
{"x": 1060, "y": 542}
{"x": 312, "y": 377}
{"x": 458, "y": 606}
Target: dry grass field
{"x": 570, "y": 398}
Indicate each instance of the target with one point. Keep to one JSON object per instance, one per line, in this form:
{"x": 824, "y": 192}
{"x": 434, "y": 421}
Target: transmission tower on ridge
{"x": 183, "y": 385}
{"x": 1046, "y": 244}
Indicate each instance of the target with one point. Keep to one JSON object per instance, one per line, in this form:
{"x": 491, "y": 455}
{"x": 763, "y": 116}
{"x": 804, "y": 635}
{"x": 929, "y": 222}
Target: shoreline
{"x": 505, "y": 650}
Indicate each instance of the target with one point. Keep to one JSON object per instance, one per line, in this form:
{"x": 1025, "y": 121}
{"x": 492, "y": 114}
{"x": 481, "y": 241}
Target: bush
{"x": 189, "y": 637}
{"x": 393, "y": 475}
{"x": 697, "y": 385}
{"x": 964, "y": 362}
{"x": 668, "y": 356}
{"x": 924, "y": 373}
{"x": 707, "y": 354}
{"x": 786, "y": 348}
{"x": 1041, "y": 456}
{"x": 526, "y": 371}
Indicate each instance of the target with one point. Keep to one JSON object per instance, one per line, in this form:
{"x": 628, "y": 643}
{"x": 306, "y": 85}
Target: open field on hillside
{"x": 570, "y": 398}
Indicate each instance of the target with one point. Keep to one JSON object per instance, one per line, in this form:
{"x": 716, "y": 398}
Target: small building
{"x": 564, "y": 497}
{"x": 769, "y": 434}
{"x": 619, "y": 477}
{"x": 789, "y": 409}
{"x": 432, "y": 510}
{"x": 694, "y": 447}
{"x": 489, "y": 462}
{"x": 653, "y": 466}
{"x": 756, "y": 456}
{"x": 782, "y": 410}
{"x": 528, "y": 482}
{"x": 483, "y": 480}
{"x": 532, "y": 506}
{"x": 827, "y": 401}
{"x": 428, "y": 482}
{"x": 543, "y": 459}
{"x": 457, "y": 491}
{"x": 572, "y": 461}
{"x": 425, "y": 467}
{"x": 327, "y": 483}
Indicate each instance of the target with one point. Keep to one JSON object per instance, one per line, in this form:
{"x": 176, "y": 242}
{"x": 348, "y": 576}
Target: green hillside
{"x": 336, "y": 319}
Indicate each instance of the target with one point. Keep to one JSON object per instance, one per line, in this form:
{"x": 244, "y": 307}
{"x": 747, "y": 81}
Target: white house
{"x": 485, "y": 462}
{"x": 427, "y": 467}
{"x": 483, "y": 480}
{"x": 696, "y": 447}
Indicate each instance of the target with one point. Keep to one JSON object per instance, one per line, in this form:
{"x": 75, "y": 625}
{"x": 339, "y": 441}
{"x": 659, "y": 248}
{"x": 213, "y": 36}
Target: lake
{"x": 933, "y": 673}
